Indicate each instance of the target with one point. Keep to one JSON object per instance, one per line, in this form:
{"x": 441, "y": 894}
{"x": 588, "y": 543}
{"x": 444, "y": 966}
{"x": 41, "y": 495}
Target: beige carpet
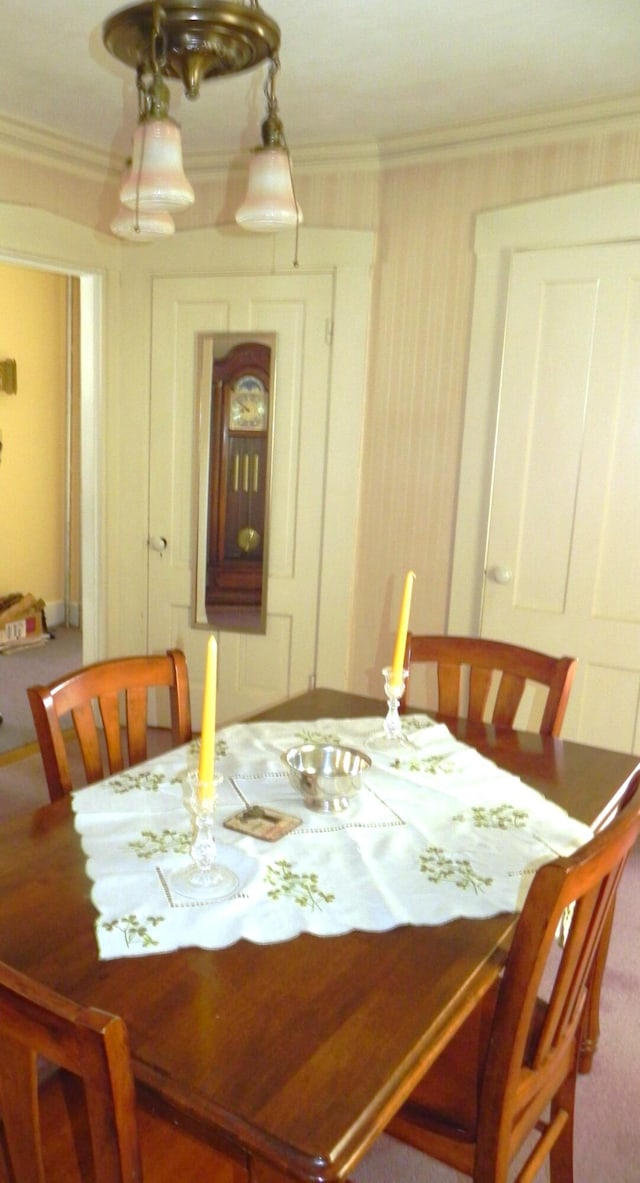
{"x": 27, "y": 667}
{"x": 22, "y": 783}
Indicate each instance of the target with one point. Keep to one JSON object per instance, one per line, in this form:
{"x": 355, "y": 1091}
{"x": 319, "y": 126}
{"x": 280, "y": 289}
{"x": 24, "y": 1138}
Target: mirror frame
{"x": 238, "y": 618}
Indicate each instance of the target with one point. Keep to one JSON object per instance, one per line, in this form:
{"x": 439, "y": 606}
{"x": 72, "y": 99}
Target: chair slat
{"x": 19, "y": 1107}
{"x": 109, "y": 706}
{"x": 509, "y": 697}
{"x": 87, "y": 734}
{"x": 479, "y": 687}
{"x": 116, "y": 692}
{"x": 448, "y": 687}
{"x": 136, "y": 699}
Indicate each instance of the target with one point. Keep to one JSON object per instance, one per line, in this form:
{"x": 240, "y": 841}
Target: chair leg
{"x": 591, "y": 1024}
{"x": 561, "y": 1156}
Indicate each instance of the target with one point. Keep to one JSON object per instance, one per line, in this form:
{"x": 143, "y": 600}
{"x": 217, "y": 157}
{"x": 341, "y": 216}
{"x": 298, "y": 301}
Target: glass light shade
{"x": 270, "y": 203}
{"x": 156, "y": 180}
{"x": 144, "y": 227}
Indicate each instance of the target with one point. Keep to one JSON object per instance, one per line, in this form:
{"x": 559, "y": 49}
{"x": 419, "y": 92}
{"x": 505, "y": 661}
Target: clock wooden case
{"x": 241, "y": 397}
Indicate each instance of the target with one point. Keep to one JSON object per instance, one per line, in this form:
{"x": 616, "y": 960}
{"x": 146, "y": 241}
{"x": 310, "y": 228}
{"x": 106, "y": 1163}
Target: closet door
{"x": 254, "y": 670}
{"x": 562, "y": 570}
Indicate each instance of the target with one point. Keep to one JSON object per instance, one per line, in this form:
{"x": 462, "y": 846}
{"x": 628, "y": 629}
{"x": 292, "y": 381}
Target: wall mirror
{"x": 234, "y": 427}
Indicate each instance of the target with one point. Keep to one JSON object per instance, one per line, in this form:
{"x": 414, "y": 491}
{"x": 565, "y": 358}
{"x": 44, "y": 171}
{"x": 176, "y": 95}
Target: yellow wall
{"x": 32, "y": 472}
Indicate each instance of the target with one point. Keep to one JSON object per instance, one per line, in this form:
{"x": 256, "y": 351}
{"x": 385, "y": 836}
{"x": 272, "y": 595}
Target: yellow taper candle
{"x": 208, "y": 736}
{"x": 397, "y": 665}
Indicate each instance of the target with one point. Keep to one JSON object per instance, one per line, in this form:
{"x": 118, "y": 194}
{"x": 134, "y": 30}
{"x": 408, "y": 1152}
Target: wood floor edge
{"x": 14, "y": 754}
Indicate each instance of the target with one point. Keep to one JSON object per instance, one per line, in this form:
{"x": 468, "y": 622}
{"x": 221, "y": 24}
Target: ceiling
{"x": 354, "y": 72}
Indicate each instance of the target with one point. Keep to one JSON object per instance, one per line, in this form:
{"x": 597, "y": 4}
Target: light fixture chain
{"x": 273, "y": 118}
{"x": 158, "y": 40}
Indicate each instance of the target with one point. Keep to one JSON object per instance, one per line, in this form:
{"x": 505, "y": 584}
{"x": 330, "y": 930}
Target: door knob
{"x": 157, "y": 542}
{"x": 499, "y": 574}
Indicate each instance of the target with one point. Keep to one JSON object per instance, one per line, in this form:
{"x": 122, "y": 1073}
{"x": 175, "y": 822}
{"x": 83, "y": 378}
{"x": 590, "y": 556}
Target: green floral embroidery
{"x": 302, "y": 889}
{"x": 311, "y": 735}
{"x": 128, "y": 781}
{"x": 134, "y": 930}
{"x": 151, "y": 843}
{"x": 416, "y": 722}
{"x": 498, "y": 817}
{"x": 437, "y": 866}
{"x": 222, "y": 746}
{"x": 426, "y": 764}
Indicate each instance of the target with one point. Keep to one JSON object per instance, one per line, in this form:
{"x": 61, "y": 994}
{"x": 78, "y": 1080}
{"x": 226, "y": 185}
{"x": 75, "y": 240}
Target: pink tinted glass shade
{"x": 156, "y": 180}
{"x": 270, "y": 203}
{"x": 144, "y": 227}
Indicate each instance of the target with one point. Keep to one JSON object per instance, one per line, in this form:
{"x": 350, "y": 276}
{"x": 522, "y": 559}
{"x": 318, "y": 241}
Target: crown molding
{"x": 499, "y": 135}
{"x": 48, "y": 148}
{"x": 53, "y": 150}
{"x": 316, "y": 158}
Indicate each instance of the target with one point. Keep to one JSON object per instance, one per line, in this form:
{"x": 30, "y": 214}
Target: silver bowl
{"x": 326, "y": 776}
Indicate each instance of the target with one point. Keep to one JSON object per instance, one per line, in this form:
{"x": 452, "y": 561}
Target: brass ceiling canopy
{"x": 200, "y": 38}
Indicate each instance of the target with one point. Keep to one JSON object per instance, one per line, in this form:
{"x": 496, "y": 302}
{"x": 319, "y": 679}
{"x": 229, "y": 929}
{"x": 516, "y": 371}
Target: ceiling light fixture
{"x": 194, "y": 41}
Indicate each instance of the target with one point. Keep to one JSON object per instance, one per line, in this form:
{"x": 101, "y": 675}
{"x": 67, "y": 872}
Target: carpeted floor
{"x": 21, "y": 668}
{"x": 22, "y": 782}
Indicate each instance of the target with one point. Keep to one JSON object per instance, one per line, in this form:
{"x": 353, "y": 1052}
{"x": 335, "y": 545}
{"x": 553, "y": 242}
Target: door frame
{"x": 69, "y": 249}
{"x": 592, "y": 217}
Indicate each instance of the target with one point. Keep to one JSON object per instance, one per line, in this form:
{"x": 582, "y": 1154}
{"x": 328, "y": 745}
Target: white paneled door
{"x": 563, "y": 556}
{"x": 254, "y": 670}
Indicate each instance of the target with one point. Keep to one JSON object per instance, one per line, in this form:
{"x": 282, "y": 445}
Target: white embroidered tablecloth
{"x": 436, "y": 832}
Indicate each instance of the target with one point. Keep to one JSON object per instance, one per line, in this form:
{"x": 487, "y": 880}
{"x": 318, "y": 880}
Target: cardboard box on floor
{"x": 21, "y": 621}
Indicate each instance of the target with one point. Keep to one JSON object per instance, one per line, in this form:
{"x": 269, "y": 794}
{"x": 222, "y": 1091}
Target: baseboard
{"x": 55, "y": 614}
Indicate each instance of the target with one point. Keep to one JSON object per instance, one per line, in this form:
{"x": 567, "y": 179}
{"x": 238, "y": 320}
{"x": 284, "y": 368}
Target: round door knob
{"x": 157, "y": 542}
{"x": 500, "y": 574}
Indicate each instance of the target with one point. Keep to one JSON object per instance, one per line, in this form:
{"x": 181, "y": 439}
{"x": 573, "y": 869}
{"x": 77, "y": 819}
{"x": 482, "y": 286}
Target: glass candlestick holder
{"x": 206, "y": 878}
{"x": 391, "y": 733}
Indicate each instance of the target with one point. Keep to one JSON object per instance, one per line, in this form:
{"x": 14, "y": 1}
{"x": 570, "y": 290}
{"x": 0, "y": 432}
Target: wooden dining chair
{"x": 474, "y": 673}
{"x": 106, "y": 708}
{"x": 78, "y": 1120}
{"x": 517, "y": 1053}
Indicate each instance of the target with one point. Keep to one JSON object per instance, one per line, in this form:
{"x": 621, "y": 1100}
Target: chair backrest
{"x": 534, "y": 1046}
{"x": 107, "y": 702}
{"x": 472, "y": 670}
{"x": 90, "y": 1044}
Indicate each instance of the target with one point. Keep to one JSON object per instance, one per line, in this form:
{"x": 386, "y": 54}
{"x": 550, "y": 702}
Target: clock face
{"x": 248, "y": 405}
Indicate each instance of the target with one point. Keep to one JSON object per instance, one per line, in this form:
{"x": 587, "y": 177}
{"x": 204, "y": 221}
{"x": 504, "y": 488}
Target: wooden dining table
{"x": 292, "y": 1055}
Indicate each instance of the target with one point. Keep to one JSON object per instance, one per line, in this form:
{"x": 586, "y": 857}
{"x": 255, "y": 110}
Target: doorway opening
{"x": 79, "y": 604}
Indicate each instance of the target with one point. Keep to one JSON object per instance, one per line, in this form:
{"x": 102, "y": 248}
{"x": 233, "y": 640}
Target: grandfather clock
{"x": 238, "y": 475}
